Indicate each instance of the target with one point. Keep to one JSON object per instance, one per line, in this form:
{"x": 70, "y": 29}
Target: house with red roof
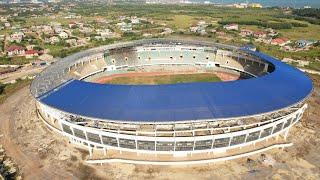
{"x": 280, "y": 41}
{"x": 15, "y": 51}
{"x": 31, "y": 53}
{"x": 246, "y": 32}
{"x": 72, "y": 25}
{"x": 260, "y": 34}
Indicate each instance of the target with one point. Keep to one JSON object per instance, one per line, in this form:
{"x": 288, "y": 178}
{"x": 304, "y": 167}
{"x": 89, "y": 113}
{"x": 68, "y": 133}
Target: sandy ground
{"x": 42, "y": 154}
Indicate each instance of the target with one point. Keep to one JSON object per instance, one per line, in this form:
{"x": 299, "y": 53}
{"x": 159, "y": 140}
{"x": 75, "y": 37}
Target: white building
{"x": 135, "y": 20}
{"x": 54, "y": 40}
{"x": 126, "y": 27}
{"x": 231, "y": 27}
{"x": 63, "y": 35}
{"x": 106, "y": 33}
{"x": 16, "y": 36}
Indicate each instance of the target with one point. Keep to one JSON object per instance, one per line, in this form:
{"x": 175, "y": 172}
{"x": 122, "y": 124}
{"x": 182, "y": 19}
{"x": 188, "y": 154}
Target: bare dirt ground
{"x": 41, "y": 154}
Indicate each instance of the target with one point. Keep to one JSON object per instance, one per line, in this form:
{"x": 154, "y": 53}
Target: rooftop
{"x": 282, "y": 88}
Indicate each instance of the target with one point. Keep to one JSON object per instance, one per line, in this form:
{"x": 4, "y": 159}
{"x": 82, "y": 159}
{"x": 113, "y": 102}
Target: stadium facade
{"x": 171, "y": 119}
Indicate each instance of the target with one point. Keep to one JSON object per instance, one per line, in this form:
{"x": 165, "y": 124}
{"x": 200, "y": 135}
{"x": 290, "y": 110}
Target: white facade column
{"x": 212, "y": 144}
{"x": 286, "y": 133}
{"x": 60, "y": 124}
{"x": 90, "y": 150}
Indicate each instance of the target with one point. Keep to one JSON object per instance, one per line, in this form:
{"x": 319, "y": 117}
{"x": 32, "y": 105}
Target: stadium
{"x": 249, "y": 111}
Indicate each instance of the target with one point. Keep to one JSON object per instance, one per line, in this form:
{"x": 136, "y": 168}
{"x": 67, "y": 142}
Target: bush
{"x": 311, "y": 12}
{"x": 297, "y": 24}
{"x": 273, "y": 25}
{"x": 311, "y": 15}
{"x": 2, "y": 86}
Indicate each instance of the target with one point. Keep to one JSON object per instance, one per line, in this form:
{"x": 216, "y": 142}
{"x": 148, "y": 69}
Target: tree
{"x": 2, "y": 86}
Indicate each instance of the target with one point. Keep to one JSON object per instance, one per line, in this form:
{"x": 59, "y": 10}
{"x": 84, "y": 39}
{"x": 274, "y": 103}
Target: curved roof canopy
{"x": 282, "y": 88}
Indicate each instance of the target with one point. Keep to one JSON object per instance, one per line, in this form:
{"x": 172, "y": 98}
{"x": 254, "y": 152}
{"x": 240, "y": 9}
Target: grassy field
{"x": 165, "y": 79}
{"x": 182, "y": 21}
{"x": 310, "y": 32}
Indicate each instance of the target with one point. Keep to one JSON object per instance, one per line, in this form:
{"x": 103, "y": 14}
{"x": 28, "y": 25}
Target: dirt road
{"x": 21, "y": 73}
{"x": 30, "y": 165}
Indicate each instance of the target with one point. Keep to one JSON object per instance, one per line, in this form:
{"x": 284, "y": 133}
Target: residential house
{"x": 63, "y": 35}
{"x": 3, "y": 19}
{"x": 246, "y": 32}
{"x": 126, "y": 27}
{"x": 260, "y": 34}
{"x": 135, "y": 20}
{"x": 106, "y": 33}
{"x": 304, "y": 43}
{"x": 54, "y": 40}
{"x": 200, "y": 28}
{"x": 2, "y": 36}
{"x": 271, "y": 32}
{"x": 15, "y": 51}
{"x": 146, "y": 34}
{"x": 47, "y": 29}
{"x": 232, "y": 26}
{"x": 72, "y": 25}
{"x": 240, "y": 5}
{"x": 72, "y": 41}
{"x": 280, "y": 41}
{"x": 194, "y": 29}
{"x": 202, "y": 23}
{"x": 58, "y": 29}
{"x": 16, "y": 36}
{"x": 7, "y": 24}
{"x": 31, "y": 53}
{"x": 86, "y": 30}
{"x": 30, "y": 47}
{"x": 166, "y": 31}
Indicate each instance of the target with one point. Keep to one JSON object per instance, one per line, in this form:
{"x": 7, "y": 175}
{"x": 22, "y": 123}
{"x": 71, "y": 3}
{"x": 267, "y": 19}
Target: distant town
{"x": 36, "y": 34}
{"x": 130, "y": 89}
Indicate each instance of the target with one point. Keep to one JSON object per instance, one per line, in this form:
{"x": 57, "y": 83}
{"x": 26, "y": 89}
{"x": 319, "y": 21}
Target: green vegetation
{"x": 181, "y": 17}
{"x": 273, "y": 25}
{"x": 165, "y": 79}
{"x": 8, "y": 89}
{"x": 292, "y": 24}
{"x": 314, "y": 65}
{"x": 302, "y": 32}
{"x": 5, "y": 60}
{"x": 15, "y": 60}
{"x": 300, "y": 55}
{"x": 2, "y": 86}
{"x": 311, "y": 15}
{"x": 182, "y": 21}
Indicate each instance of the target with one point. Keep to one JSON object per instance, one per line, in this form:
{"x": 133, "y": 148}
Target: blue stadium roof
{"x": 282, "y": 88}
